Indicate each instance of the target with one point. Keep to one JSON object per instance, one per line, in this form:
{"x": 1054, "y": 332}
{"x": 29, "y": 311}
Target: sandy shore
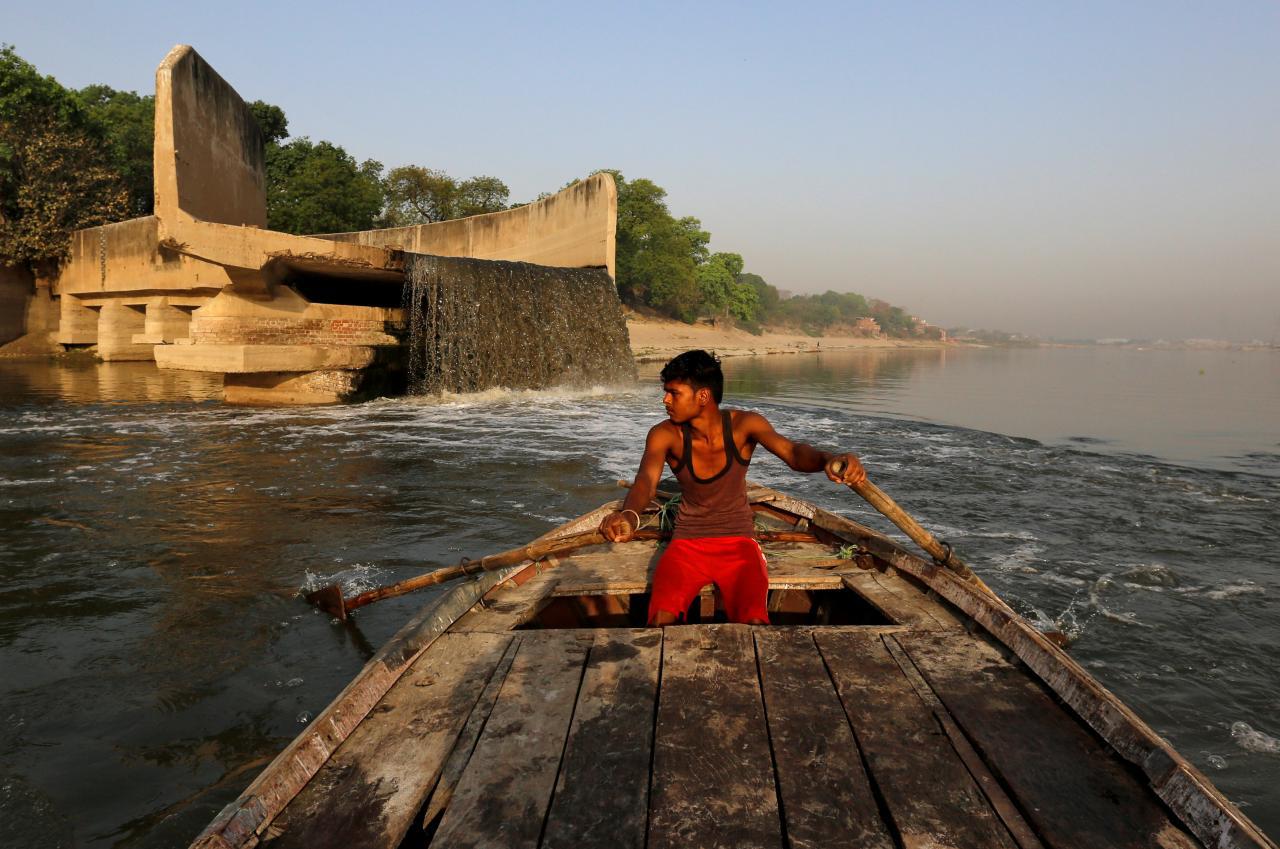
{"x": 654, "y": 339}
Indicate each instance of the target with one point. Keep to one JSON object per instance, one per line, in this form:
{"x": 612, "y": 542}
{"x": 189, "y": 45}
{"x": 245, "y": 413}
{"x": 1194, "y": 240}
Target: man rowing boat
{"x": 709, "y": 449}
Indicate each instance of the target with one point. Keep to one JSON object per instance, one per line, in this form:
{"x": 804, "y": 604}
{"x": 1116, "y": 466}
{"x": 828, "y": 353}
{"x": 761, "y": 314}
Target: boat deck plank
{"x": 1074, "y": 791}
{"x": 510, "y": 608}
{"x": 457, "y": 761}
{"x": 502, "y": 797}
{"x": 931, "y": 797}
{"x": 602, "y": 795}
{"x": 826, "y": 797}
{"x": 712, "y": 784}
{"x": 382, "y": 773}
{"x": 899, "y": 602}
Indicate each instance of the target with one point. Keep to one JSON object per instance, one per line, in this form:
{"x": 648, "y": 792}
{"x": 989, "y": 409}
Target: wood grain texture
{"x": 369, "y": 791}
{"x": 456, "y": 763}
{"x": 826, "y": 796}
{"x": 502, "y": 798}
{"x": 897, "y": 600}
{"x": 712, "y": 783}
{"x": 932, "y": 799}
{"x": 1074, "y": 791}
{"x": 602, "y": 795}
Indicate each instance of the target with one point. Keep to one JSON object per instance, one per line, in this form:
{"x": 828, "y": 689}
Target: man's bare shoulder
{"x": 663, "y": 433}
{"x": 749, "y": 421}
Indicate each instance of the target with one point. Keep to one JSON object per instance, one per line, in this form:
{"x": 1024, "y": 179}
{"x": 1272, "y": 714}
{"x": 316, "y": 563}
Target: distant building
{"x": 867, "y": 326}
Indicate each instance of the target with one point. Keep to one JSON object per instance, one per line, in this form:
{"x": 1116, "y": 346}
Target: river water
{"x": 156, "y": 652}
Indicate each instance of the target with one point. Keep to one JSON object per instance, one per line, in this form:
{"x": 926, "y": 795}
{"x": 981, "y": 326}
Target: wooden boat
{"x": 891, "y": 703}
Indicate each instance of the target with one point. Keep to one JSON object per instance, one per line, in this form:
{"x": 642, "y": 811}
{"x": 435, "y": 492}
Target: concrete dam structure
{"x": 521, "y": 298}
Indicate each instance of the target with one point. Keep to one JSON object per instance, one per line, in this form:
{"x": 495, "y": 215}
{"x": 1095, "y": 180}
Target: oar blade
{"x": 329, "y": 599}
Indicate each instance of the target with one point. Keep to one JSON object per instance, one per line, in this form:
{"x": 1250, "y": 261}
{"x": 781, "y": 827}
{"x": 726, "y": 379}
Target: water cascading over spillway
{"x": 476, "y": 324}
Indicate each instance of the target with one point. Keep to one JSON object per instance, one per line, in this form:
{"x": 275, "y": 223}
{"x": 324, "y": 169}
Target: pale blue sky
{"x": 1081, "y": 169}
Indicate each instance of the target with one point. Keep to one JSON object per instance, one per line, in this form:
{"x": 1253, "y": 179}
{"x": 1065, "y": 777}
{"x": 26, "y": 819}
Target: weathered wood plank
{"x": 900, "y": 603}
{"x": 502, "y": 798}
{"x": 826, "y": 797}
{"x": 457, "y": 761}
{"x": 1214, "y": 819}
{"x": 602, "y": 796}
{"x": 240, "y": 822}
{"x": 712, "y": 784}
{"x": 370, "y": 789}
{"x": 931, "y": 797}
{"x": 917, "y": 595}
{"x": 1004, "y": 806}
{"x": 510, "y": 607}
{"x": 1075, "y": 792}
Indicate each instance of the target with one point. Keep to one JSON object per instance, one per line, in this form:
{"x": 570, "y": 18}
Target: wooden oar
{"x": 942, "y": 554}
{"x": 330, "y": 600}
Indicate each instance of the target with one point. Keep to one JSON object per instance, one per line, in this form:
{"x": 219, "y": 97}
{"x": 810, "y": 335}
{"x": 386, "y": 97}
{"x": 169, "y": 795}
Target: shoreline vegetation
{"x": 658, "y": 339}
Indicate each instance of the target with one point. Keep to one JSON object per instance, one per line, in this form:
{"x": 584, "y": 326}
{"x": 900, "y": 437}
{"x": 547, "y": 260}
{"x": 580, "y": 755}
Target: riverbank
{"x": 656, "y": 339}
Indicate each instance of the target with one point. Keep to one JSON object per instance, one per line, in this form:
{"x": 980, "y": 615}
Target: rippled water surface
{"x": 153, "y": 544}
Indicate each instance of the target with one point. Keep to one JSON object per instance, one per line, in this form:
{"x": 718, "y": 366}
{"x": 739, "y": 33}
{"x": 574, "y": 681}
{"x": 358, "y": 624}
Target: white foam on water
{"x": 1237, "y": 589}
{"x": 1252, "y": 740}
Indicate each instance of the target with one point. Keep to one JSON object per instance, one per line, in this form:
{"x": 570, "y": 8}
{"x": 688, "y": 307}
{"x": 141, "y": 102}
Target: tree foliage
{"x": 317, "y": 187}
{"x": 56, "y": 171}
{"x": 417, "y": 195}
{"x": 271, "y": 120}
{"x": 128, "y": 122}
{"x": 657, "y": 254}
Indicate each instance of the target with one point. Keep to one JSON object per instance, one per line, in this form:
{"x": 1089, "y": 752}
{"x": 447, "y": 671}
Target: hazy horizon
{"x": 1091, "y": 171}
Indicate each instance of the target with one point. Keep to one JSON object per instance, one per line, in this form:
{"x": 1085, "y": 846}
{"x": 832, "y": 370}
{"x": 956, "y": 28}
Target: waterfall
{"x": 475, "y": 324}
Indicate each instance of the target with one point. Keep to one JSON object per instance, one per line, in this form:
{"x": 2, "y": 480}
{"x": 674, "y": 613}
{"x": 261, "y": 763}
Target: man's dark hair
{"x": 698, "y": 369}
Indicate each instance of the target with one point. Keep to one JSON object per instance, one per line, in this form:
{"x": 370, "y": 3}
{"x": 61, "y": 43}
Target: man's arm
{"x": 800, "y": 455}
{"x": 620, "y": 525}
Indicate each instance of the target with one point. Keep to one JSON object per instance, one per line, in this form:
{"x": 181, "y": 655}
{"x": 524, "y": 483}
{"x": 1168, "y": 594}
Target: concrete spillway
{"x": 202, "y": 285}
{"x": 474, "y": 324}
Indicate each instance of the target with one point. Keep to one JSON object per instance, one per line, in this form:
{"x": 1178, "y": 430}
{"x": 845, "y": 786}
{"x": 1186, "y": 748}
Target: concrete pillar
{"x": 79, "y": 324}
{"x": 164, "y": 323}
{"x": 117, "y": 325}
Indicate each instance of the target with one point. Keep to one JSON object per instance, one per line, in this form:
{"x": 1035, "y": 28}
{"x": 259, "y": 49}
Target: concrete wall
{"x": 127, "y": 257}
{"x": 208, "y": 148}
{"x": 16, "y": 289}
{"x": 574, "y": 228}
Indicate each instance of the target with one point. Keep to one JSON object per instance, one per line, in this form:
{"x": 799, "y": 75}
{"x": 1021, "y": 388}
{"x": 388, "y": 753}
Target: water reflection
{"x": 80, "y": 380}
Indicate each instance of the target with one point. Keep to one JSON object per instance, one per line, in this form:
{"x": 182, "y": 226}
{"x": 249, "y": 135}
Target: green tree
{"x": 271, "y": 120}
{"x": 481, "y": 195}
{"x": 317, "y": 187}
{"x": 657, "y": 254}
{"x": 417, "y": 195}
{"x": 717, "y": 282}
{"x": 56, "y": 173}
{"x": 128, "y": 121}
{"x": 767, "y": 298}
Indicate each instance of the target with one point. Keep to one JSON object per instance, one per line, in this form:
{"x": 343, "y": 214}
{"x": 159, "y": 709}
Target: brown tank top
{"x": 715, "y": 506}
